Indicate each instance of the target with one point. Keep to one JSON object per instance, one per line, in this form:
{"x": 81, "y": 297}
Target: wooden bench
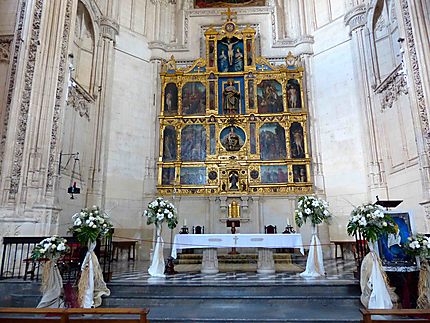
{"x": 343, "y": 244}
{"x": 128, "y": 245}
{"x": 75, "y": 315}
{"x": 395, "y": 315}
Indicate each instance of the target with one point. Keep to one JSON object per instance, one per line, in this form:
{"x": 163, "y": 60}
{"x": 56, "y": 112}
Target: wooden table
{"x": 129, "y": 245}
{"x": 342, "y": 244}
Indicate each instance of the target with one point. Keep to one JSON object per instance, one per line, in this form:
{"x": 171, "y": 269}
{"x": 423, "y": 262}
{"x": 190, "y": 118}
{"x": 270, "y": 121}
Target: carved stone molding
{"x": 109, "y": 28}
{"x": 80, "y": 101}
{"x": 419, "y": 92}
{"x": 356, "y": 18}
{"x": 12, "y": 79}
{"x": 59, "y": 96}
{"x": 5, "y": 45}
{"x": 21, "y": 128}
{"x": 392, "y": 87}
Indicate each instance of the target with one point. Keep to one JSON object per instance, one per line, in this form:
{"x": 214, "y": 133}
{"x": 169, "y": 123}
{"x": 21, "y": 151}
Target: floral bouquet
{"x": 51, "y": 248}
{"x": 161, "y": 210}
{"x": 90, "y": 224}
{"x": 371, "y": 221}
{"x": 418, "y": 246}
{"x": 313, "y": 208}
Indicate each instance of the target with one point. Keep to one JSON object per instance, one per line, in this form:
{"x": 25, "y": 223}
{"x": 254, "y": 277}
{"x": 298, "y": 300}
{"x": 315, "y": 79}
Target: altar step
{"x": 196, "y": 258}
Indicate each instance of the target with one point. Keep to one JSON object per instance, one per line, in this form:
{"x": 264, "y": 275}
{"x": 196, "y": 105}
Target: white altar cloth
{"x": 240, "y": 240}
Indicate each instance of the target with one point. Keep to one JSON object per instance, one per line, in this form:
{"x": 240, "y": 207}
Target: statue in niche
{"x": 238, "y": 60}
{"x": 231, "y": 97}
{"x": 293, "y": 95}
{"x": 233, "y": 179}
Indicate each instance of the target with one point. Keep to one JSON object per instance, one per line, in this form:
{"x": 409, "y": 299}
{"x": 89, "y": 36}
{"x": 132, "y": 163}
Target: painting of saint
{"x": 168, "y": 176}
{"x": 252, "y": 141}
{"x": 228, "y": 3}
{"x": 169, "y": 144}
{"x": 274, "y": 174}
{"x": 193, "y": 176}
{"x": 193, "y": 99}
{"x": 193, "y": 143}
{"x": 269, "y": 97}
{"x": 211, "y": 53}
{"x": 297, "y": 142}
{"x": 232, "y": 138}
{"x": 230, "y": 55}
{"x": 212, "y": 140}
{"x": 212, "y": 95}
{"x": 251, "y": 94}
{"x": 294, "y": 98}
{"x": 272, "y": 142}
{"x": 171, "y": 99}
{"x": 249, "y": 56}
{"x": 230, "y": 98}
{"x": 299, "y": 174}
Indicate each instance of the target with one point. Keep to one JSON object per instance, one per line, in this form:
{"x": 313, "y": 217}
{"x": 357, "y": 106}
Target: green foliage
{"x": 51, "y": 248}
{"x": 312, "y": 208}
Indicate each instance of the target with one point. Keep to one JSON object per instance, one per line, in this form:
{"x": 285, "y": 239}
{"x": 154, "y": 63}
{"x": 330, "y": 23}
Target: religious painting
{"x": 392, "y": 255}
{"x": 193, "y": 99}
{"x": 193, "y": 176}
{"x": 232, "y": 138}
{"x": 252, "y": 139}
{"x": 169, "y": 144}
{"x": 168, "y": 176}
{"x": 299, "y": 174}
{"x": 251, "y": 99}
{"x": 193, "y": 143}
{"x": 269, "y": 97}
{"x": 272, "y": 142}
{"x": 230, "y": 55}
{"x": 228, "y": 3}
{"x": 297, "y": 142}
{"x": 294, "y": 98}
{"x": 249, "y": 56}
{"x": 212, "y": 96}
{"x": 211, "y": 57}
{"x": 171, "y": 99}
{"x": 273, "y": 174}
{"x": 230, "y": 98}
{"x": 212, "y": 140}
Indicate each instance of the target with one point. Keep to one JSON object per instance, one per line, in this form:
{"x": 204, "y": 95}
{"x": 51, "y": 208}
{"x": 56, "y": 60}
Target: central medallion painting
{"x": 232, "y": 122}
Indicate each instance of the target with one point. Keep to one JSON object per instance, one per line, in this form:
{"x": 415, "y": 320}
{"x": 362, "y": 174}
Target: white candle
{"x": 185, "y": 222}
{"x": 288, "y": 222}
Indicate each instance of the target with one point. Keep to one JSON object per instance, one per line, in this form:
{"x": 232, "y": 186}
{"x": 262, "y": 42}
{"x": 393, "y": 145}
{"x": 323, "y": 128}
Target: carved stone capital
{"x": 109, "y": 28}
{"x": 5, "y": 44}
{"x": 80, "y": 101}
{"x": 392, "y": 87}
{"x": 356, "y": 18}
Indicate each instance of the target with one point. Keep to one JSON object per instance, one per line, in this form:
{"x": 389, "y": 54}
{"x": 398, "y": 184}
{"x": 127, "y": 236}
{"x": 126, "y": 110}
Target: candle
{"x": 185, "y": 222}
{"x": 288, "y": 222}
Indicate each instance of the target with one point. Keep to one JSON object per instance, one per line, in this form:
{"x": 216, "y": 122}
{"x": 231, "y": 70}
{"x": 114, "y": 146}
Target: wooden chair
{"x": 270, "y": 229}
{"x": 199, "y": 229}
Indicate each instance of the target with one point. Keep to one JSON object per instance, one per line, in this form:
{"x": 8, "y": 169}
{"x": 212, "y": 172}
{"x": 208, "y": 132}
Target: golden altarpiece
{"x": 232, "y": 123}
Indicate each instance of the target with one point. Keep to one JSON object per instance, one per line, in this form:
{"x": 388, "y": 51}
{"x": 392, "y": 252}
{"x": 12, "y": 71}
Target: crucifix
{"x": 229, "y": 14}
{"x": 233, "y": 224}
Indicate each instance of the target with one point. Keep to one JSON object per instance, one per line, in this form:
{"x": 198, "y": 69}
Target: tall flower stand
{"x": 91, "y": 284}
{"x": 375, "y": 293}
{"x": 315, "y": 262}
{"x": 157, "y": 265}
{"x": 52, "y": 284}
{"x": 423, "y": 300}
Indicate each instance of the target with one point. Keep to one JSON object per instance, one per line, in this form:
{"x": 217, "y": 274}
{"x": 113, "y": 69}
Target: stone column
{"x": 356, "y": 20}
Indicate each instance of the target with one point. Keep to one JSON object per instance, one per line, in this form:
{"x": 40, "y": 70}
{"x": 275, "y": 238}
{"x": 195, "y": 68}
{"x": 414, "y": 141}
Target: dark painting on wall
{"x": 274, "y": 174}
{"x": 230, "y": 55}
{"x": 272, "y": 142}
{"x": 299, "y": 174}
{"x": 171, "y": 99}
{"x": 269, "y": 97}
{"x": 169, "y": 144}
{"x": 193, "y": 175}
{"x": 297, "y": 142}
{"x": 193, "y": 143}
{"x": 232, "y": 138}
{"x": 168, "y": 176}
{"x": 193, "y": 99}
{"x": 392, "y": 255}
{"x": 294, "y": 98}
{"x": 228, "y": 3}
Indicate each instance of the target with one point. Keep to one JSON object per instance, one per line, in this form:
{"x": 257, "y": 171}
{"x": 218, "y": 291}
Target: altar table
{"x": 211, "y": 242}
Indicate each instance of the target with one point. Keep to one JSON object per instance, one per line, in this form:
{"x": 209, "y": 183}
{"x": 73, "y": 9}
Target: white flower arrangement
{"x": 371, "y": 221}
{"x": 313, "y": 208}
{"x": 51, "y": 248}
{"x": 418, "y": 245}
{"x": 161, "y": 210}
{"x": 90, "y": 224}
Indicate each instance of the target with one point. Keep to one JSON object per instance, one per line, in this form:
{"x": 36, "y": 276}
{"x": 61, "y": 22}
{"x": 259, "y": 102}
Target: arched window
{"x": 385, "y": 31}
{"x": 84, "y": 48}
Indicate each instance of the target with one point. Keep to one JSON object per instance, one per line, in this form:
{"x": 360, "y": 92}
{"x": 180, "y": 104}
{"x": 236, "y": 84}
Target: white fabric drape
{"x": 157, "y": 265}
{"x": 423, "y": 300}
{"x": 375, "y": 294}
{"x": 52, "y": 284}
{"x": 91, "y": 284}
{"x": 315, "y": 261}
